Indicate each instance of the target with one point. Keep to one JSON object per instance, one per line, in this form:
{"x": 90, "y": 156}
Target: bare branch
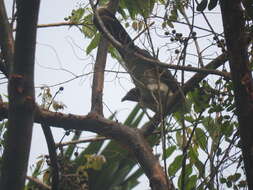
{"x": 99, "y": 68}
{"x": 82, "y": 141}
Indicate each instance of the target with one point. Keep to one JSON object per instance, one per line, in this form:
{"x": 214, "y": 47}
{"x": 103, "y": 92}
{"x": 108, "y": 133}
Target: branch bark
{"x": 21, "y": 98}
{"x": 129, "y": 137}
{"x": 52, "y": 155}
{"x": 6, "y": 40}
{"x": 99, "y": 68}
{"x": 236, "y": 42}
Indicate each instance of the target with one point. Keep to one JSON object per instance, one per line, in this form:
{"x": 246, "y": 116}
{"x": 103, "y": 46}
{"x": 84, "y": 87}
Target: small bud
{"x": 177, "y": 51}
{"x": 67, "y": 133}
{"x": 166, "y": 33}
{"x": 194, "y": 34}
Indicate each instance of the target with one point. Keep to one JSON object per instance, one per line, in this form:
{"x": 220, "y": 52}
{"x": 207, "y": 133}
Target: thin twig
{"x": 81, "y": 141}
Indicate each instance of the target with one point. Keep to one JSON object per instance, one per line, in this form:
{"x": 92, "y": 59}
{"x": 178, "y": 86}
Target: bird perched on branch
{"x": 154, "y": 83}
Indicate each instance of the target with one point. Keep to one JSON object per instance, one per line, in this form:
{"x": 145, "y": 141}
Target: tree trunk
{"x": 236, "y": 43}
{"x": 21, "y": 98}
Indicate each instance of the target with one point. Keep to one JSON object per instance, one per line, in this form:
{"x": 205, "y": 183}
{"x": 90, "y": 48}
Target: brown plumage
{"x": 154, "y": 84}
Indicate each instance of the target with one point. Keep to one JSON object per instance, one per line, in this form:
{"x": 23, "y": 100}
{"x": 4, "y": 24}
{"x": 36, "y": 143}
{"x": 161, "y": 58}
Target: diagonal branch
{"x": 129, "y": 137}
{"x": 6, "y": 40}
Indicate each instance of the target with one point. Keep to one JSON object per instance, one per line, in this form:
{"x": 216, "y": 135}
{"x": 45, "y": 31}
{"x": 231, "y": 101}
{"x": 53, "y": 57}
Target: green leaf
{"x": 138, "y": 119}
{"x": 132, "y": 115}
{"x": 101, "y": 178}
{"x": 114, "y": 53}
{"x": 234, "y": 177}
{"x": 187, "y": 173}
{"x": 212, "y": 4}
{"x": 201, "y": 138}
{"x": 192, "y": 182}
{"x": 135, "y": 7}
{"x": 169, "y": 23}
{"x": 38, "y": 168}
{"x": 94, "y": 161}
{"x": 88, "y": 28}
{"x": 173, "y": 15}
{"x": 223, "y": 180}
{"x": 179, "y": 139}
{"x": 77, "y": 15}
{"x": 202, "y": 5}
{"x": 227, "y": 128}
{"x": 93, "y": 44}
{"x": 229, "y": 184}
{"x": 169, "y": 151}
{"x": 175, "y": 165}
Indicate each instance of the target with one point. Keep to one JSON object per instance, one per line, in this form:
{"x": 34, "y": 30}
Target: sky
{"x": 60, "y": 52}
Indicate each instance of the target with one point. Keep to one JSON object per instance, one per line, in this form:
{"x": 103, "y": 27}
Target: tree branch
{"x": 6, "y": 40}
{"x": 129, "y": 137}
{"x": 74, "y": 142}
{"x": 52, "y": 155}
{"x": 99, "y": 68}
{"x": 236, "y": 41}
{"x": 21, "y": 97}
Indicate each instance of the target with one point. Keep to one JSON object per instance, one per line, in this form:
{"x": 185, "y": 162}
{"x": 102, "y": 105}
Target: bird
{"x": 154, "y": 84}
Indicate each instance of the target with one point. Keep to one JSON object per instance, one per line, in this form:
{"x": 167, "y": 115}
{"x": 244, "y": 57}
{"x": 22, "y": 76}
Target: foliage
{"x": 200, "y": 139}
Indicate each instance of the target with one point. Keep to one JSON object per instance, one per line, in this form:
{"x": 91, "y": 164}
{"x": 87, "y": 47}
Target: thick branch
{"x": 21, "y": 98}
{"x": 127, "y": 136}
{"x": 95, "y": 123}
{"x": 236, "y": 42}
